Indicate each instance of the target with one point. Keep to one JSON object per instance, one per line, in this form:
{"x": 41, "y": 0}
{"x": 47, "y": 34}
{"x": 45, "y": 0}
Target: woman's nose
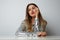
{"x": 31, "y": 9}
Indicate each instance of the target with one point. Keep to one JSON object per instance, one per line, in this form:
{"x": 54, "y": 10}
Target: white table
{"x": 29, "y": 38}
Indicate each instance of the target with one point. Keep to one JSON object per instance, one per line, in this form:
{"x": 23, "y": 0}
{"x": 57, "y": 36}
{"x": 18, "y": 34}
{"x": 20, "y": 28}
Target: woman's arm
{"x": 42, "y": 29}
{"x": 21, "y": 29}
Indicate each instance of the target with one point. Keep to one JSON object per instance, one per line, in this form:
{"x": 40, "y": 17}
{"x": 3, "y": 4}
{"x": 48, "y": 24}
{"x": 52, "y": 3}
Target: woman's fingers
{"x": 42, "y": 34}
{"x": 39, "y": 34}
{"x": 37, "y": 11}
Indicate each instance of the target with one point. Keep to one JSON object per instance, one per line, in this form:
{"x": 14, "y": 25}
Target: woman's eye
{"x": 29, "y": 10}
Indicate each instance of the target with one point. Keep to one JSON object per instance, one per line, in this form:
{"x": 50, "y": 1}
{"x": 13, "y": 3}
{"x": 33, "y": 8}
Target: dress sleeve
{"x": 42, "y": 27}
{"x": 22, "y": 28}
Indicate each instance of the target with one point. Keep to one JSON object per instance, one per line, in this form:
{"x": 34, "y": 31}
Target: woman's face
{"x": 32, "y": 10}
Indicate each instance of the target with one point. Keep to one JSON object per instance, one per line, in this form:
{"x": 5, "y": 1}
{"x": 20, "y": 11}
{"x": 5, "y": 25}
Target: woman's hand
{"x": 37, "y": 11}
{"x": 41, "y": 34}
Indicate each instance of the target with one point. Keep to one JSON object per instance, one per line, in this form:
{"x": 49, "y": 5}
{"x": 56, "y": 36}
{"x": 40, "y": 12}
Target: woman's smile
{"x": 33, "y": 12}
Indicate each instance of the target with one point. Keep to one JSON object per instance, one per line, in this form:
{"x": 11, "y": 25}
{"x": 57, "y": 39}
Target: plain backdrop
{"x": 12, "y": 13}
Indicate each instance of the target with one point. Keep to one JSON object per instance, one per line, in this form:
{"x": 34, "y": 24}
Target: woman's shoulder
{"x": 43, "y": 22}
{"x": 23, "y": 22}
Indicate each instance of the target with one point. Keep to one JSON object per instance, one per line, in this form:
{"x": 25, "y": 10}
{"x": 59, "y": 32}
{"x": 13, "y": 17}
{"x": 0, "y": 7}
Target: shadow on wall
{"x": 50, "y": 31}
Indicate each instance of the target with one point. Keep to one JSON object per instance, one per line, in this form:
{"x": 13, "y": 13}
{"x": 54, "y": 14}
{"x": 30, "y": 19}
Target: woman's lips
{"x": 32, "y": 12}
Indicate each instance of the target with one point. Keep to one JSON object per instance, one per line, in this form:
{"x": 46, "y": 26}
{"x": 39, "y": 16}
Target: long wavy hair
{"x": 28, "y": 18}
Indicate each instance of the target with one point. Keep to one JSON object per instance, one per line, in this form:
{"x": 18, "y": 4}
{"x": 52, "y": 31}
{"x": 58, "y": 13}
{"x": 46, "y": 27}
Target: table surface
{"x": 29, "y": 38}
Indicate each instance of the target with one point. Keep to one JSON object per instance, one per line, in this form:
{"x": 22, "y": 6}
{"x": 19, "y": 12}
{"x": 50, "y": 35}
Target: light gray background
{"x": 12, "y": 12}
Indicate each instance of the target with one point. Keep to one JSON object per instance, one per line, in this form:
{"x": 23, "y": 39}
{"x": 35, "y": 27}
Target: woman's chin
{"x": 32, "y": 16}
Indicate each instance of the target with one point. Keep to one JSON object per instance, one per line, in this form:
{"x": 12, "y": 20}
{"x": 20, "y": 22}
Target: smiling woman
{"x": 33, "y": 22}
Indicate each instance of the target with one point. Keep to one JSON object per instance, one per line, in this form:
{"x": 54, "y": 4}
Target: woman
{"x": 27, "y": 25}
